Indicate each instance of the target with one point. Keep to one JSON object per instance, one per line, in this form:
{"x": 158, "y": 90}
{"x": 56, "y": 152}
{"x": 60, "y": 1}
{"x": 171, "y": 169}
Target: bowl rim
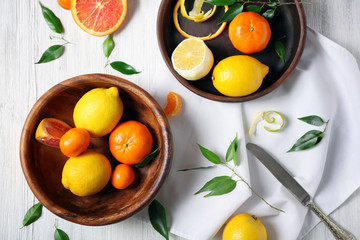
{"x": 223, "y": 98}
{"x": 116, "y": 217}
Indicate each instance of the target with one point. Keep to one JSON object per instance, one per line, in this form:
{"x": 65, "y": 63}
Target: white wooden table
{"x": 24, "y": 37}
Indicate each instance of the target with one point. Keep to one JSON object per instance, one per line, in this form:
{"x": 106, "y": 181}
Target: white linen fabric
{"x": 326, "y": 83}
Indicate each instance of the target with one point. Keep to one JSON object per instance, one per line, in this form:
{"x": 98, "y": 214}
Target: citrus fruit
{"x": 99, "y": 17}
{"x": 50, "y": 130}
{"x": 173, "y": 105}
{"x": 74, "y": 142}
{"x": 130, "y": 142}
{"x": 244, "y": 227}
{"x": 239, "y": 75}
{"x": 192, "y": 59}
{"x": 249, "y": 32}
{"x": 122, "y": 176}
{"x": 98, "y": 111}
{"x": 66, "y": 4}
{"x": 86, "y": 174}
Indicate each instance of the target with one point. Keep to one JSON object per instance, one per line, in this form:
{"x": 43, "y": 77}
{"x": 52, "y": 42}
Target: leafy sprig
{"x": 224, "y": 184}
{"x": 60, "y": 234}
{"x": 32, "y": 214}
{"x": 54, "y": 23}
{"x": 124, "y": 68}
{"x": 312, "y": 137}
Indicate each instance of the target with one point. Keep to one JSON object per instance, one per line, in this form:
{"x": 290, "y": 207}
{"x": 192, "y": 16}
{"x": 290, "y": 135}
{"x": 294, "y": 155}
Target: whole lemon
{"x": 244, "y": 227}
{"x": 239, "y": 75}
{"x": 86, "y": 174}
{"x": 98, "y": 111}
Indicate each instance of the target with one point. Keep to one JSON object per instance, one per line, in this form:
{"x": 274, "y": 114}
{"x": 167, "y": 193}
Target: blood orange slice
{"x": 50, "y": 130}
{"x": 99, "y": 17}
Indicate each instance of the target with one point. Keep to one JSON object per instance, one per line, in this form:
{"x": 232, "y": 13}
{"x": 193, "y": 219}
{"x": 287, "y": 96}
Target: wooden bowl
{"x": 42, "y": 165}
{"x": 289, "y": 25}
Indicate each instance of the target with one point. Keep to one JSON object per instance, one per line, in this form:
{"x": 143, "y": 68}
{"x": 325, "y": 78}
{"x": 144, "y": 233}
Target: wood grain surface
{"x": 24, "y": 37}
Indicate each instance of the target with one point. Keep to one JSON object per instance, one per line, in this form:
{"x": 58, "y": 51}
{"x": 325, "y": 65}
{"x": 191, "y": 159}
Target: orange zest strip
{"x": 173, "y": 105}
{"x": 182, "y": 32}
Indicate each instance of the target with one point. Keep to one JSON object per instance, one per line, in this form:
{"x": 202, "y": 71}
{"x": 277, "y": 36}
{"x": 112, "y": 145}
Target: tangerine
{"x": 74, "y": 142}
{"x": 122, "y": 176}
{"x": 173, "y": 105}
{"x": 130, "y": 142}
{"x": 97, "y": 17}
{"x": 249, "y": 32}
{"x": 66, "y": 4}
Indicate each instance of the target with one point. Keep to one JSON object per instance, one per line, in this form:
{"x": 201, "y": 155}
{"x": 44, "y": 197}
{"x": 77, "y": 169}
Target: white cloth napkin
{"x": 325, "y": 83}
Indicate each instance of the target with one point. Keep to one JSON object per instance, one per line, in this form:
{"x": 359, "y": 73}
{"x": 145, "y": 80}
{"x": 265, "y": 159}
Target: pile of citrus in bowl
{"x": 234, "y": 76}
{"x": 97, "y": 114}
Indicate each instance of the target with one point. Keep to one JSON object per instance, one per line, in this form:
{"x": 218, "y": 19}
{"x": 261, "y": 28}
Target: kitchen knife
{"x": 297, "y": 190}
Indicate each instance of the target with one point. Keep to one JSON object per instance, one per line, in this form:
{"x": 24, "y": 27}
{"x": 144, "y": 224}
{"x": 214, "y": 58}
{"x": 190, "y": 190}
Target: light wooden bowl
{"x": 42, "y": 165}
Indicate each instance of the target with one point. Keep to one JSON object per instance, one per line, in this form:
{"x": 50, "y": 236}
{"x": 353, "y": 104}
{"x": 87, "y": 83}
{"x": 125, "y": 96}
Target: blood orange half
{"x": 99, "y": 17}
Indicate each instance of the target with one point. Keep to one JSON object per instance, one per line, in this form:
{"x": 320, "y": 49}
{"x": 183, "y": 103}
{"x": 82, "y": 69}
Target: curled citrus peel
{"x": 273, "y": 118}
{"x": 196, "y": 15}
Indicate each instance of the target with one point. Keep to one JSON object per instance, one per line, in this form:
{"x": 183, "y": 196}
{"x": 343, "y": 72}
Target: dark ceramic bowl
{"x": 288, "y": 24}
{"x": 42, "y": 165}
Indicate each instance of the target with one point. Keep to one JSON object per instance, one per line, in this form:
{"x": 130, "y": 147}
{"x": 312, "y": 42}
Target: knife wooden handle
{"x": 338, "y": 232}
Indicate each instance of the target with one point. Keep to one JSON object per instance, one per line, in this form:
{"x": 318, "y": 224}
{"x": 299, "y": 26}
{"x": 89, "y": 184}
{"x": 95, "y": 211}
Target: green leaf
{"x": 32, "y": 214}
{"x": 60, "y": 235}
{"x": 272, "y": 4}
{"x": 230, "y": 14}
{"x": 52, "y": 21}
{"x": 231, "y": 151}
{"x": 197, "y": 168}
{"x": 218, "y": 186}
{"x": 158, "y": 220}
{"x": 51, "y": 53}
{"x": 280, "y": 50}
{"x": 209, "y": 155}
{"x": 313, "y": 120}
{"x": 147, "y": 159}
{"x": 108, "y": 46}
{"x": 308, "y": 140}
{"x": 124, "y": 68}
{"x": 269, "y": 14}
{"x": 221, "y": 2}
{"x": 253, "y": 8}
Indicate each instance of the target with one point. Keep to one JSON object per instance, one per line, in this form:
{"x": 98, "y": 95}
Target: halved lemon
{"x": 192, "y": 59}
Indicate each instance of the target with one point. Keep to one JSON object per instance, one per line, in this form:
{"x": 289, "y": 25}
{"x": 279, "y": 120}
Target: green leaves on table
{"x": 147, "y": 159}
{"x": 108, "y": 46}
{"x": 223, "y": 184}
{"x": 124, "y": 68}
{"x": 209, "y": 155}
{"x": 312, "y": 137}
{"x": 55, "y": 25}
{"x": 32, "y": 214}
{"x": 280, "y": 50}
{"x": 157, "y": 215}
{"x": 218, "y": 186}
{"x": 52, "y": 21}
{"x": 313, "y": 120}
{"x": 51, "y": 54}
{"x": 60, "y": 234}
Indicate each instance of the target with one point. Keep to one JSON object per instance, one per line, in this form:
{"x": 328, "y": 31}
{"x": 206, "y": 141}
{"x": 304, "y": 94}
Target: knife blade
{"x": 297, "y": 190}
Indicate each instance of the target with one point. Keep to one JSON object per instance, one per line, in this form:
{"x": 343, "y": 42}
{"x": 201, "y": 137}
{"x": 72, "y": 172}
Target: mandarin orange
{"x": 130, "y": 142}
{"x": 249, "y": 32}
